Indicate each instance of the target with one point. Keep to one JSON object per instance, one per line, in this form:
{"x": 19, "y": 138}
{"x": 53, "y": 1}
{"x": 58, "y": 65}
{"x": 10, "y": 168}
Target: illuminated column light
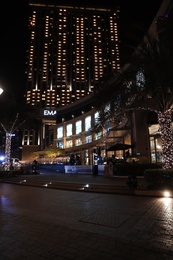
{"x": 165, "y": 122}
{"x": 8, "y": 150}
{"x": 9, "y": 134}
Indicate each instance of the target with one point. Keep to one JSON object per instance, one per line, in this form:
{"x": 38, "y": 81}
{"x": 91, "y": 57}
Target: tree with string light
{"x": 14, "y": 116}
{"x": 9, "y": 133}
{"x": 152, "y": 88}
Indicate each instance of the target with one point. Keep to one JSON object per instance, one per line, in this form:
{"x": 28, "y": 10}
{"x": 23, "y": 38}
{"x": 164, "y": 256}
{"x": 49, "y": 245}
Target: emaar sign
{"x": 47, "y": 112}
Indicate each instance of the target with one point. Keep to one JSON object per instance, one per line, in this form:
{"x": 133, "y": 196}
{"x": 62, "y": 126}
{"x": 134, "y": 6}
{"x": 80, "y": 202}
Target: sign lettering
{"x": 49, "y": 112}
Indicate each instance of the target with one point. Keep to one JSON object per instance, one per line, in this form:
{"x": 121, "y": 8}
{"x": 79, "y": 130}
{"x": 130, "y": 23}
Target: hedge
{"x": 159, "y": 178}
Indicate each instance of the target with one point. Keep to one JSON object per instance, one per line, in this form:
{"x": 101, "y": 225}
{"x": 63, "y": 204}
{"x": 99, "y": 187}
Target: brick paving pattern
{"x": 39, "y": 223}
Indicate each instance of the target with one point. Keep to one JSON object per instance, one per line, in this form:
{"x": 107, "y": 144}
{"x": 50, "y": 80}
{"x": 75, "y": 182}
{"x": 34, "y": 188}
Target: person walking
{"x": 35, "y": 167}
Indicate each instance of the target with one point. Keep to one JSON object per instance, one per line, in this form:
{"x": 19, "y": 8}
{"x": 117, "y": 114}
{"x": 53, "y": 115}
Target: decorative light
{"x": 165, "y": 122}
{"x": 9, "y": 134}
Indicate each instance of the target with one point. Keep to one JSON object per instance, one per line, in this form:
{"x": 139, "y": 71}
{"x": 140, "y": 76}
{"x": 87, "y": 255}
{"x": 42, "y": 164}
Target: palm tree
{"x": 145, "y": 84}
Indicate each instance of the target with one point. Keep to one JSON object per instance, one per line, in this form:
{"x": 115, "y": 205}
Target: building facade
{"x": 70, "y": 49}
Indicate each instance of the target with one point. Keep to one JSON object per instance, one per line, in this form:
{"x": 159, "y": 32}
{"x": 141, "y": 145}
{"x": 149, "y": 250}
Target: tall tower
{"x": 70, "y": 48}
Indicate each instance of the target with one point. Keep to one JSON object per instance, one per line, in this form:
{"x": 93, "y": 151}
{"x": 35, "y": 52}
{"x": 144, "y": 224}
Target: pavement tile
{"x": 40, "y": 223}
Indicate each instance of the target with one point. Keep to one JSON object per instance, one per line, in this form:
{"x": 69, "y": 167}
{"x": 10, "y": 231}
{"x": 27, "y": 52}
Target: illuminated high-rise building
{"x": 70, "y": 48}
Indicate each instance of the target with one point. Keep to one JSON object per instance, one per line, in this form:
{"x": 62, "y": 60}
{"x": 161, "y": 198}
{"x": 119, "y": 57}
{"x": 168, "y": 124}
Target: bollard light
{"x": 167, "y": 194}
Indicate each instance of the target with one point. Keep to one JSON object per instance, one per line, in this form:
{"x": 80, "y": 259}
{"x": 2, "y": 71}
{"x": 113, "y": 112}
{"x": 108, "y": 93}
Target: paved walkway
{"x": 40, "y": 223}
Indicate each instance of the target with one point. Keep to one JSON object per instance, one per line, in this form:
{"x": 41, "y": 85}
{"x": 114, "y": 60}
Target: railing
{"x": 84, "y": 169}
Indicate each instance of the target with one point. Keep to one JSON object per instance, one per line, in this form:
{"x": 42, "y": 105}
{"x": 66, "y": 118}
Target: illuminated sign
{"x": 49, "y": 112}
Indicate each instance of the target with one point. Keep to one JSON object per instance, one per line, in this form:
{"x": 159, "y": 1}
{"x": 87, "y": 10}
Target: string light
{"x": 9, "y": 135}
{"x": 166, "y": 134}
{"x": 165, "y": 128}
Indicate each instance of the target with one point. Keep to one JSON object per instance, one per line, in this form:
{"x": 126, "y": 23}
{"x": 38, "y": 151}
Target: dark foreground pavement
{"x": 43, "y": 222}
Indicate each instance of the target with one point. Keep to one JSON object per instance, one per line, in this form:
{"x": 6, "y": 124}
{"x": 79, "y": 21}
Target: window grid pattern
{"x": 69, "y": 50}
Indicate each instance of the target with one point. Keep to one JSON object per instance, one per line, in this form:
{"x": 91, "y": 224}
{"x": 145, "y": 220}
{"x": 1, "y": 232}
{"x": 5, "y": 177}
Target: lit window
{"x": 69, "y": 143}
{"x": 78, "y": 127}
{"x": 89, "y": 139}
{"x": 87, "y": 123}
{"x": 78, "y": 141}
{"x": 60, "y": 132}
{"x": 96, "y": 117}
{"x": 69, "y": 130}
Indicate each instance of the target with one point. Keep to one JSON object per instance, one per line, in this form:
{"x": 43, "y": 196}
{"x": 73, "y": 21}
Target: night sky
{"x": 13, "y": 27}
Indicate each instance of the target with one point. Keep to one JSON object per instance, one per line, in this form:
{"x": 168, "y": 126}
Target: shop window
{"x": 78, "y": 141}
{"x": 89, "y": 139}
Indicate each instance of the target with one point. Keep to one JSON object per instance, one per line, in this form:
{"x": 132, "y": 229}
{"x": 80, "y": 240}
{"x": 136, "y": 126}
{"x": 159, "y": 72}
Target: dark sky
{"x": 13, "y": 28}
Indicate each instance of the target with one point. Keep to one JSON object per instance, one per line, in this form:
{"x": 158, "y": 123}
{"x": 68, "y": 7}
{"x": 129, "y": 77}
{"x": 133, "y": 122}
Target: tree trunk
{"x": 8, "y": 151}
{"x": 165, "y": 124}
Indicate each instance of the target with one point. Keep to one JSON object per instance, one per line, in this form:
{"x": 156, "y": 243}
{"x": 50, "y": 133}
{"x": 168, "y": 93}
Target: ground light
{"x": 167, "y": 194}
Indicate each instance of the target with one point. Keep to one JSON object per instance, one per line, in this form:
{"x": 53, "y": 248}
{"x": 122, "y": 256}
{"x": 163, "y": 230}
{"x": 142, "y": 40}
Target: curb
{"x": 165, "y": 193}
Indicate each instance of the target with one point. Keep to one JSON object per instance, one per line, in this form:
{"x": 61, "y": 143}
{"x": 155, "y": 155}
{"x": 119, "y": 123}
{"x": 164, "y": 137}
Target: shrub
{"x": 158, "y": 178}
{"x": 7, "y": 174}
{"x": 137, "y": 169}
